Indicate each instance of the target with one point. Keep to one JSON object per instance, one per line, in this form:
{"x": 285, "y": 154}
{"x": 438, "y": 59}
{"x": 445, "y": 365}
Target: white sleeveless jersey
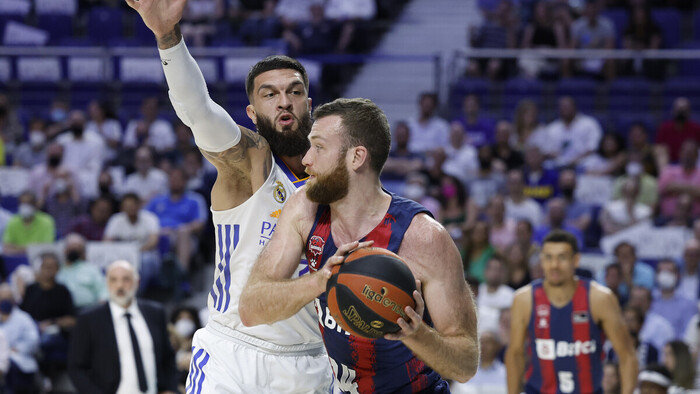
{"x": 241, "y": 234}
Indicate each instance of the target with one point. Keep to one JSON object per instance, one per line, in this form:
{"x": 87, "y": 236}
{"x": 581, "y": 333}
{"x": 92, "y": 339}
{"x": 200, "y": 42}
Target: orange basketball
{"x": 369, "y": 291}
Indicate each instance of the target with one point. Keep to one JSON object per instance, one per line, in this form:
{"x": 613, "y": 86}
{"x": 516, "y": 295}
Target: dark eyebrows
{"x": 266, "y": 86}
{"x": 292, "y": 85}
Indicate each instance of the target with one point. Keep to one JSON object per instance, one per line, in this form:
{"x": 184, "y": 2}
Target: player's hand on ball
{"x": 414, "y": 316}
{"x": 338, "y": 258}
{"x": 160, "y": 16}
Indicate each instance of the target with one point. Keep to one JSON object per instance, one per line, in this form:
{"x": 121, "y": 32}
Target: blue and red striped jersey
{"x": 565, "y": 345}
{"x": 365, "y": 365}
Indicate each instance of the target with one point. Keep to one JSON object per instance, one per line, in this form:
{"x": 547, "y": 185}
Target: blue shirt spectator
{"x": 655, "y": 329}
{"x": 634, "y": 273}
{"x": 540, "y": 183}
{"x": 478, "y": 128}
{"x": 668, "y": 302}
{"x": 174, "y": 211}
{"x": 556, "y": 213}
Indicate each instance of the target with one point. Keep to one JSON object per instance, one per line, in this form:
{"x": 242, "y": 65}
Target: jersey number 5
{"x": 566, "y": 382}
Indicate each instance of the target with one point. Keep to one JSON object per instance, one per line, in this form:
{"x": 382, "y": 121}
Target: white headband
{"x": 654, "y": 377}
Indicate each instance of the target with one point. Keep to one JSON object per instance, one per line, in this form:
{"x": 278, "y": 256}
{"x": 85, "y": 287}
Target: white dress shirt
{"x": 489, "y": 306}
{"x": 129, "y": 382}
{"x": 569, "y": 141}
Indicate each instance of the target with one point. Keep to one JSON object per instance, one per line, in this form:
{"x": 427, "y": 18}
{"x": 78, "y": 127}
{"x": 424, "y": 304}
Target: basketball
{"x": 369, "y": 291}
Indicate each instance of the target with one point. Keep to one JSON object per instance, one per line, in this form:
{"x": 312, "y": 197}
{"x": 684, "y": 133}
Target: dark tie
{"x": 143, "y": 386}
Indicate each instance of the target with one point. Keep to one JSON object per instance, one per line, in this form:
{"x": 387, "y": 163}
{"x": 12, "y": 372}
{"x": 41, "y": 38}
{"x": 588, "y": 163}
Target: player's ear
{"x": 360, "y": 155}
{"x": 250, "y": 111}
{"x": 310, "y": 105}
{"x": 577, "y": 260}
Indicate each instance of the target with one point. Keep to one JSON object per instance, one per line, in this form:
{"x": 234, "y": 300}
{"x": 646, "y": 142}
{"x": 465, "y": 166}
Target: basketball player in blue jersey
{"x": 559, "y": 325}
{"x": 256, "y": 175}
{"x": 342, "y": 204}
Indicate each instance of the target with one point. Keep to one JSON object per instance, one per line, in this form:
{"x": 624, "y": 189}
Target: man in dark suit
{"x": 122, "y": 346}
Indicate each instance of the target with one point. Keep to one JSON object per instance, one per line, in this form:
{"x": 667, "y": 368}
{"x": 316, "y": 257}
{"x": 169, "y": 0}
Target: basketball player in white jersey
{"x": 256, "y": 175}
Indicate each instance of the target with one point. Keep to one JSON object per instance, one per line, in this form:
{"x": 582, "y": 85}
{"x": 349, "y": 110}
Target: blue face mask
{"x": 6, "y": 307}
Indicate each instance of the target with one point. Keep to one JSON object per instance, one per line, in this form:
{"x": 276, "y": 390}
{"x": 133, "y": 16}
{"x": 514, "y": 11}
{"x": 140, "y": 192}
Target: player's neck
{"x": 559, "y": 296}
{"x": 294, "y": 164}
{"x": 355, "y": 215}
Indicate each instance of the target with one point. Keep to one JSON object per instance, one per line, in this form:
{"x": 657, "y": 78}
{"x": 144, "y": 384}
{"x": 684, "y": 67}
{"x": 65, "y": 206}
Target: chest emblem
{"x": 280, "y": 193}
{"x": 580, "y": 317}
{"x": 316, "y": 245}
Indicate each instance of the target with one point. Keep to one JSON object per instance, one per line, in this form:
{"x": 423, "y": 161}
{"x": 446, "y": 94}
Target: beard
{"x": 331, "y": 187}
{"x": 288, "y": 142}
{"x": 122, "y": 297}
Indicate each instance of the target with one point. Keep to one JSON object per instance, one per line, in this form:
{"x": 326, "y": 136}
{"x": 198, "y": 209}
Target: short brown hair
{"x": 561, "y": 236}
{"x": 274, "y": 62}
{"x": 364, "y": 124}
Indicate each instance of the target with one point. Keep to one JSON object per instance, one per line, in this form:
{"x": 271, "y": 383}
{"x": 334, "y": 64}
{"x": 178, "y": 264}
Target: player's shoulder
{"x": 425, "y": 229}
{"x": 600, "y": 294}
{"x": 299, "y": 207}
{"x": 523, "y": 294}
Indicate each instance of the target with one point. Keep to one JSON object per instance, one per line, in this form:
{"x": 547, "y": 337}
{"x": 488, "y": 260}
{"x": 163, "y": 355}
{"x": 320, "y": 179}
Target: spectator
{"x": 540, "y": 183}
{"x": 103, "y": 122}
{"x": 690, "y": 276}
{"x": 181, "y": 215}
{"x": 11, "y": 130}
{"x": 58, "y": 118}
{"x": 487, "y": 182}
{"x": 149, "y": 130}
{"x": 494, "y": 294}
{"x": 200, "y": 179}
{"x": 497, "y": 32}
{"x": 185, "y": 321}
{"x": 82, "y": 278}
{"x": 676, "y": 180}
{"x": 670, "y": 303}
{"x": 461, "y": 161}
{"x": 5, "y": 217}
{"x": 401, "y": 160}
{"x": 51, "y": 306}
{"x": 647, "y": 353}
{"x": 83, "y": 154}
{"x": 634, "y": 273}
{"x": 417, "y": 190}
{"x": 32, "y": 153}
{"x": 573, "y": 136}
{"x": 92, "y": 226}
{"x": 292, "y": 12}
{"x": 519, "y": 206}
{"x": 507, "y": 157}
{"x": 103, "y": 355}
{"x": 613, "y": 280}
{"x": 528, "y": 129}
{"x": 199, "y": 20}
{"x": 502, "y": 229}
{"x": 23, "y": 337}
{"x": 682, "y": 216}
{"x": 691, "y": 338}
{"x": 106, "y": 186}
{"x": 654, "y": 379}
{"x": 256, "y": 25}
{"x": 556, "y": 215}
{"x": 648, "y": 187}
{"x": 61, "y": 200}
{"x": 543, "y": 31}
{"x": 316, "y": 36}
{"x": 678, "y": 360}
{"x": 610, "y": 159}
{"x": 611, "y": 378}
{"x": 672, "y": 133}
{"x": 642, "y": 33}
{"x": 578, "y": 214}
{"x": 518, "y": 255}
{"x": 640, "y": 149}
{"x": 428, "y": 131}
{"x": 478, "y": 251}
{"x": 655, "y": 329}
{"x": 28, "y": 226}
{"x": 45, "y": 173}
{"x": 133, "y": 224}
{"x": 491, "y": 375}
{"x": 620, "y": 214}
{"x": 592, "y": 31}
{"x": 456, "y": 211}
{"x": 479, "y": 128}
{"x": 147, "y": 181}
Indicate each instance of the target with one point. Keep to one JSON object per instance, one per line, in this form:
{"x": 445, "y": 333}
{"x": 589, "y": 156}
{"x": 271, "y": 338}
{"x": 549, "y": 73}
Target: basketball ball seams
{"x": 385, "y": 299}
{"x": 376, "y": 267}
{"x": 362, "y": 320}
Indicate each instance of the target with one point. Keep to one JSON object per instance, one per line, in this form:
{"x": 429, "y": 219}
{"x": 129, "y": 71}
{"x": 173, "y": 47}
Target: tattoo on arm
{"x": 170, "y": 39}
{"x": 238, "y": 152}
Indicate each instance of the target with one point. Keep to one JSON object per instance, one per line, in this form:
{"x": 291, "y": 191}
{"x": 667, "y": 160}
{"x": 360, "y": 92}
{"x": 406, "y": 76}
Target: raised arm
{"x": 515, "y": 354}
{"x": 451, "y": 346}
{"x": 606, "y": 312}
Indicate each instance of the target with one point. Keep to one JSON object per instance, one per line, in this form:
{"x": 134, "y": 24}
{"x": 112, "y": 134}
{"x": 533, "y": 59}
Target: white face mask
{"x": 36, "y": 138}
{"x": 666, "y": 280}
{"x": 60, "y": 186}
{"x": 414, "y": 192}
{"x": 26, "y": 211}
{"x": 184, "y": 328}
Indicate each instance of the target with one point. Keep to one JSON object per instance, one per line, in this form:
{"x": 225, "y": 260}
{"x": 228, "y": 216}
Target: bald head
{"x": 122, "y": 282}
{"x": 6, "y": 292}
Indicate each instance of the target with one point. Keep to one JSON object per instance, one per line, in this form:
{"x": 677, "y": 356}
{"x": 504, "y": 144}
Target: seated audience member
{"x": 46, "y": 172}
{"x": 573, "y": 136}
{"x": 494, "y": 294}
{"x": 543, "y": 31}
{"x": 507, "y": 157}
{"x": 491, "y": 375}
{"x": 672, "y": 133}
{"x": 647, "y": 353}
{"x": 654, "y": 379}
{"x": 692, "y": 338}
{"x": 593, "y": 31}
{"x": 184, "y": 322}
{"x": 478, "y": 251}
{"x": 690, "y": 277}
{"x": 684, "y": 178}
{"x": 498, "y": 31}
{"x": 28, "y": 226}
{"x": 678, "y": 360}
{"x": 92, "y": 226}
{"x": 83, "y": 153}
{"x": 181, "y": 215}
{"x": 640, "y": 149}
{"x": 488, "y": 182}
{"x": 133, "y": 224}
{"x": 670, "y": 303}
{"x": 634, "y": 273}
{"x": 199, "y": 20}
{"x": 428, "y": 130}
{"x": 51, "y": 306}
{"x": 315, "y": 36}
{"x": 578, "y": 214}
{"x": 528, "y": 129}
{"x": 103, "y": 121}
{"x": 23, "y": 339}
{"x": 63, "y": 202}
{"x": 610, "y": 158}
{"x": 456, "y": 212}
{"x": 502, "y": 229}
{"x": 642, "y": 33}
{"x": 416, "y": 189}
{"x": 32, "y": 153}
{"x": 655, "y": 329}
{"x": 461, "y": 161}
{"x": 611, "y": 379}
{"x": 540, "y": 183}
{"x": 148, "y": 181}
{"x": 519, "y": 206}
{"x": 682, "y": 216}
{"x": 519, "y": 272}
{"x": 556, "y": 215}
{"x": 479, "y": 128}
{"x": 82, "y": 278}
{"x": 613, "y": 279}
{"x": 149, "y": 130}
{"x": 620, "y": 214}
{"x": 648, "y": 187}
{"x": 401, "y": 160}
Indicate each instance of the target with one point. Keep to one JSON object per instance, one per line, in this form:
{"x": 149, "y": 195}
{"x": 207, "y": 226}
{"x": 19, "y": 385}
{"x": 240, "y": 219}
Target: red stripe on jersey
{"x": 549, "y": 376}
{"x": 364, "y": 358}
{"x": 413, "y": 369}
{"x": 582, "y": 333}
{"x": 381, "y": 235}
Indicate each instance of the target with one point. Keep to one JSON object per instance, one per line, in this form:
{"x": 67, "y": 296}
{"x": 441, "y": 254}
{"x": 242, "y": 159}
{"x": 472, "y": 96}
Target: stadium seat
{"x": 583, "y": 90}
{"x": 10, "y": 203}
{"x": 669, "y": 21}
{"x": 517, "y": 89}
{"x": 624, "y": 120}
{"x": 480, "y": 87}
{"x": 58, "y": 26}
{"x": 629, "y": 94}
{"x": 680, "y": 87}
{"x": 104, "y": 23}
{"x": 690, "y": 67}
{"x": 10, "y": 263}
{"x": 619, "y": 18}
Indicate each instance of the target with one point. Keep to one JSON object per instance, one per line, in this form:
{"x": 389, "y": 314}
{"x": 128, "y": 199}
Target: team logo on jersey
{"x": 542, "y": 310}
{"x": 580, "y": 317}
{"x": 542, "y": 322}
{"x": 549, "y": 349}
{"x": 316, "y": 245}
{"x": 280, "y": 194}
